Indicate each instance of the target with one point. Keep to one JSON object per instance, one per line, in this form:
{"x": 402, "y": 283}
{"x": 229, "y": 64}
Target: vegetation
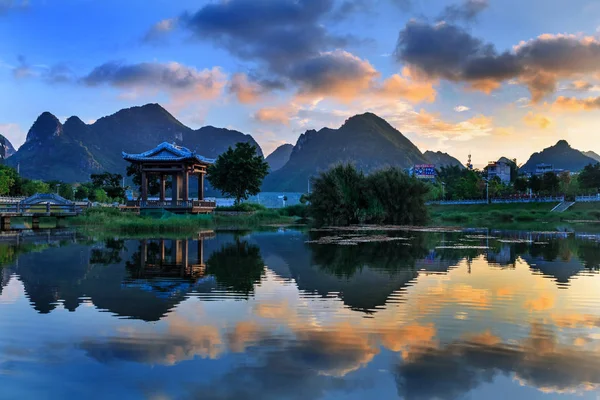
{"x": 343, "y": 195}
{"x": 238, "y": 172}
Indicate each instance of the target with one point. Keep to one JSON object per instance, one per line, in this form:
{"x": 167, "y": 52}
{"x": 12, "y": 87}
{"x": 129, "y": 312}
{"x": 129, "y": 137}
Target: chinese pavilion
{"x": 180, "y": 163}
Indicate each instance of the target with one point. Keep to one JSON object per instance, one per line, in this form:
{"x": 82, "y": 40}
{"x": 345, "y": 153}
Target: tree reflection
{"x": 237, "y": 266}
{"x": 109, "y": 254}
{"x": 345, "y": 261}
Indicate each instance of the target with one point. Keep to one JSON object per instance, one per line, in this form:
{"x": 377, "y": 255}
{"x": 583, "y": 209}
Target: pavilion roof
{"x": 168, "y": 152}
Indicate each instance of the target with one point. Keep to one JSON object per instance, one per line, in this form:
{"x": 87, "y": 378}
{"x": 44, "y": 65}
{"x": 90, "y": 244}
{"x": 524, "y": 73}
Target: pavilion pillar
{"x": 185, "y": 260}
{"x": 162, "y": 187}
{"x": 175, "y": 190}
{"x": 201, "y": 186}
{"x": 143, "y": 253}
{"x": 200, "y": 251}
{"x": 186, "y": 185}
{"x": 162, "y": 250}
{"x": 144, "y": 186}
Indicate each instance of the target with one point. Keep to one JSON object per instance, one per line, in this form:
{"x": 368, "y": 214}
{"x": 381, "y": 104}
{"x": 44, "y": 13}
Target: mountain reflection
{"x": 427, "y": 315}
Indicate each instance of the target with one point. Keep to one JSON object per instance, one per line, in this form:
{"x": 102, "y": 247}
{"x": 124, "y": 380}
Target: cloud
{"x": 432, "y": 125}
{"x": 449, "y": 52}
{"x": 537, "y": 120}
{"x": 573, "y": 104}
{"x": 160, "y": 30}
{"x": 187, "y": 83}
{"x": 245, "y": 90}
{"x": 274, "y": 115}
{"x": 398, "y": 86}
{"x": 580, "y": 86}
{"x": 461, "y": 108}
{"x": 336, "y": 74}
{"x": 278, "y": 33}
{"x": 23, "y": 69}
{"x": 467, "y": 11}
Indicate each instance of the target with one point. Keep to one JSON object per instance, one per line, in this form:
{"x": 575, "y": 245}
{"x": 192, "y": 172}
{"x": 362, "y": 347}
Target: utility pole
{"x": 487, "y": 191}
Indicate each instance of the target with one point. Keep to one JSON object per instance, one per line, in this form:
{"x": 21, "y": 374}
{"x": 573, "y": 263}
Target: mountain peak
{"x": 367, "y": 117}
{"x": 6, "y": 148}
{"x": 562, "y": 156}
{"x": 562, "y": 143}
{"x": 44, "y": 127}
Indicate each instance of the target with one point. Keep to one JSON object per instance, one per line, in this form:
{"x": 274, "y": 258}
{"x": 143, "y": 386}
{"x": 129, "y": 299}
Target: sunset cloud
{"x": 398, "y": 86}
{"x": 160, "y": 30}
{"x": 449, "y": 52}
{"x": 573, "y": 104}
{"x": 273, "y": 115}
{"x": 537, "y": 120}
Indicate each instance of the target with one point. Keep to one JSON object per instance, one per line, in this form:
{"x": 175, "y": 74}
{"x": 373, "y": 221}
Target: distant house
{"x": 500, "y": 169}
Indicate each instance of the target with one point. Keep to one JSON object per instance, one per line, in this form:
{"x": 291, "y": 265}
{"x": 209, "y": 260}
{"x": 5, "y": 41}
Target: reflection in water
{"x": 268, "y": 315}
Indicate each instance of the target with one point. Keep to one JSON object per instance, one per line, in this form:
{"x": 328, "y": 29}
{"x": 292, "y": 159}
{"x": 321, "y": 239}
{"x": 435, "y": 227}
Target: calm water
{"x": 266, "y": 315}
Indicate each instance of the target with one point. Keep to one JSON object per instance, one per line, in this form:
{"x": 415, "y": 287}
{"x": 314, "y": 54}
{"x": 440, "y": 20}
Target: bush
{"x": 298, "y": 210}
{"x": 243, "y": 207}
{"x": 343, "y": 195}
{"x": 455, "y": 217}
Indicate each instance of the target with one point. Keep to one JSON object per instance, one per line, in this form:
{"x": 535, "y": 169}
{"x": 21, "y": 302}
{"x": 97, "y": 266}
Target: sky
{"x": 489, "y": 78}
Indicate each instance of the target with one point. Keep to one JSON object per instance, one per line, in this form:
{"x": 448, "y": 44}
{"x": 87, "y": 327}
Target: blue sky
{"x": 508, "y": 77}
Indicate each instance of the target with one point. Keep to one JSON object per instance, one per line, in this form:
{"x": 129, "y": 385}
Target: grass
{"x": 113, "y": 220}
{"x": 501, "y": 214}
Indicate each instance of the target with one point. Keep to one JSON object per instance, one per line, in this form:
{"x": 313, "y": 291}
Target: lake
{"x": 289, "y": 314}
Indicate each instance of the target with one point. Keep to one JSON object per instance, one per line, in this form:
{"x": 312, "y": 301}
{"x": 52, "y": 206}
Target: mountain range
{"x": 70, "y": 152}
{"x": 6, "y": 148}
{"x": 560, "y": 156}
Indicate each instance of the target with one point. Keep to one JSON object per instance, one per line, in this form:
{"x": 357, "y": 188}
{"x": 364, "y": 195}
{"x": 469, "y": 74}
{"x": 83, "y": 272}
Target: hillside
{"x": 280, "y": 156}
{"x": 365, "y": 140}
{"x": 73, "y": 151}
{"x": 592, "y": 154}
{"x": 442, "y": 159}
{"x": 6, "y": 148}
{"x": 561, "y": 156}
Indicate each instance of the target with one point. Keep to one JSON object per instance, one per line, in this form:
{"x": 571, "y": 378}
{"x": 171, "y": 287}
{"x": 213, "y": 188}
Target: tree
{"x": 535, "y": 183}
{"x": 550, "y": 182}
{"x": 238, "y": 172}
{"x": 6, "y": 182}
{"x": 521, "y": 185}
{"x": 65, "y": 190}
{"x": 82, "y": 192}
{"x": 32, "y": 187}
{"x": 109, "y": 183}
{"x": 589, "y": 178}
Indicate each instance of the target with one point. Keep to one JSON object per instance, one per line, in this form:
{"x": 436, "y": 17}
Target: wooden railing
{"x": 18, "y": 208}
{"x": 171, "y": 204}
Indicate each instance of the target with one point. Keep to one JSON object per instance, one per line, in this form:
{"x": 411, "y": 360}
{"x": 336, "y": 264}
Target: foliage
{"x": 238, "y": 172}
{"x": 31, "y": 187}
{"x": 461, "y": 183}
{"x": 535, "y": 183}
{"x": 82, "y": 192}
{"x": 521, "y": 185}
{"x": 111, "y": 184}
{"x": 243, "y": 207}
{"x": 298, "y": 210}
{"x": 6, "y": 182}
{"x": 343, "y": 195}
{"x": 65, "y": 190}
{"x": 589, "y": 178}
{"x": 550, "y": 183}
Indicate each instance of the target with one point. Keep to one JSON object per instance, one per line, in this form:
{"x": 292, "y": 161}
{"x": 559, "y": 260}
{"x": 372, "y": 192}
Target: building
{"x": 500, "y": 169}
{"x": 423, "y": 171}
{"x": 541, "y": 169}
{"x": 179, "y": 163}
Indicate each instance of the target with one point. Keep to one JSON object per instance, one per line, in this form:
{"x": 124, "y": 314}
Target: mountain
{"x": 73, "y": 151}
{"x": 442, "y": 159}
{"x": 6, "y": 148}
{"x": 592, "y": 154}
{"x": 561, "y": 156}
{"x": 280, "y": 156}
{"x": 365, "y": 140}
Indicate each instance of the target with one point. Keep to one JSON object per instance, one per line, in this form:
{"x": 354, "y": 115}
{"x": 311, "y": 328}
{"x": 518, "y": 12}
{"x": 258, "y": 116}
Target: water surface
{"x": 301, "y": 315}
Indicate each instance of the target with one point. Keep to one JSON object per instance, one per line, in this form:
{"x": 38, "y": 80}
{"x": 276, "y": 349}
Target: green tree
{"x": 238, "y": 172}
{"x": 109, "y": 183}
{"x": 550, "y": 183}
{"x": 100, "y": 196}
{"x": 521, "y": 185}
{"x": 6, "y": 182}
{"x": 535, "y": 183}
{"x": 589, "y": 178}
{"x": 65, "y": 190}
{"x": 31, "y": 187}
{"x": 82, "y": 192}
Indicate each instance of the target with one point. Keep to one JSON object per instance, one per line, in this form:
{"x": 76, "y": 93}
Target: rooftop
{"x": 168, "y": 152}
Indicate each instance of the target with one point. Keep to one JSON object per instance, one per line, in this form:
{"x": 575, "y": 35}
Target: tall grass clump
{"x": 344, "y": 195}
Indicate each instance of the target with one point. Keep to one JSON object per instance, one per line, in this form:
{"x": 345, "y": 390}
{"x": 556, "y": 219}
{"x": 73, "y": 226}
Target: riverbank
{"x": 493, "y": 214}
{"x": 113, "y": 220}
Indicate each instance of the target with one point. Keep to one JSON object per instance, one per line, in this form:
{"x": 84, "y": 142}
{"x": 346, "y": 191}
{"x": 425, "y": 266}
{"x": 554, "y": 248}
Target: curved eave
{"x": 140, "y": 159}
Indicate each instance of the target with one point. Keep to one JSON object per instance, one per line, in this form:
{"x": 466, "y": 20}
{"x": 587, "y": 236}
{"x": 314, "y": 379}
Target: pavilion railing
{"x": 41, "y": 208}
{"x": 178, "y": 204}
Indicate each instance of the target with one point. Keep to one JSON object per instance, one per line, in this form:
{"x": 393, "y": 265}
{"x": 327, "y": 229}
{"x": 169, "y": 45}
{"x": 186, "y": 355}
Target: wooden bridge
{"x": 37, "y": 206}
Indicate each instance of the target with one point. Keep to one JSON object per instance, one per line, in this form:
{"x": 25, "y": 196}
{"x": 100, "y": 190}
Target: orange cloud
{"x": 537, "y": 120}
{"x": 479, "y": 125}
{"x": 247, "y": 92}
{"x": 486, "y": 86}
{"x": 573, "y": 104}
{"x": 403, "y": 87}
{"x": 273, "y": 115}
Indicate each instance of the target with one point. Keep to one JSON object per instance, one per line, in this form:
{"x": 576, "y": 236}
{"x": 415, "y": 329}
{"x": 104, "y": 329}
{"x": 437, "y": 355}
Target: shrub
{"x": 343, "y": 195}
{"x": 298, "y": 210}
{"x": 243, "y": 207}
